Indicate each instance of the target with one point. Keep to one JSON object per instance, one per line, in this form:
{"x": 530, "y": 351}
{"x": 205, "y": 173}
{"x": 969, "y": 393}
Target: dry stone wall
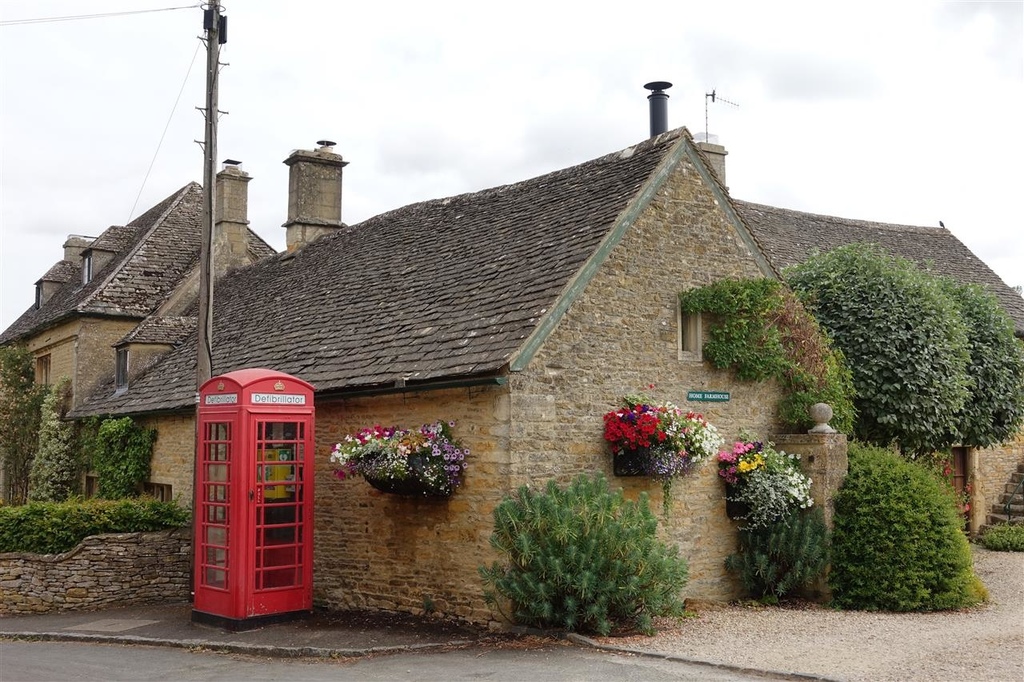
{"x": 117, "y": 569}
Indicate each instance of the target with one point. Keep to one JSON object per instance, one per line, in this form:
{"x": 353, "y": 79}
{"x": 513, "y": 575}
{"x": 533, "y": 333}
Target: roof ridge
{"x": 853, "y": 222}
{"x": 558, "y": 172}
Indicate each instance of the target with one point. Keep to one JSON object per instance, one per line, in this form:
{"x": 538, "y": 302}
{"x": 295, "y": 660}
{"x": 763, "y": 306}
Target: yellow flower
{"x": 748, "y": 465}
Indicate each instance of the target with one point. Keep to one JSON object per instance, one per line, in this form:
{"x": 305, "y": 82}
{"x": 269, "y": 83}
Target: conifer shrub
{"x": 776, "y": 560}
{"x": 1005, "y": 537}
{"x": 584, "y": 559}
{"x": 897, "y": 543}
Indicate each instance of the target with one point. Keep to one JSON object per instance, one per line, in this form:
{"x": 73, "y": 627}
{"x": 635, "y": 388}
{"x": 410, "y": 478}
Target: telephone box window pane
{"x": 216, "y": 536}
{"x": 216, "y": 556}
{"x": 216, "y": 493}
{"x": 215, "y": 577}
{"x": 280, "y": 577}
{"x": 217, "y": 431}
{"x": 216, "y": 513}
{"x": 217, "y": 473}
{"x": 302, "y": 451}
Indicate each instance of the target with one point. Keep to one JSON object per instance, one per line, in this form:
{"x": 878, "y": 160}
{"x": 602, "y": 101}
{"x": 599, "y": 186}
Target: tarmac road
{"x": 23, "y": 661}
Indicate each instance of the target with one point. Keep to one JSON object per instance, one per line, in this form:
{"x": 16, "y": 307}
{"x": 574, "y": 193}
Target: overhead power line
{"x": 167, "y": 125}
{"x": 79, "y": 17}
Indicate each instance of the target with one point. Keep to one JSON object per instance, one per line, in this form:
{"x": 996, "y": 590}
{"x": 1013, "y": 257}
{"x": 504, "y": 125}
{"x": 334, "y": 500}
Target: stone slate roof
{"x": 62, "y": 271}
{"x": 790, "y": 237}
{"x": 151, "y": 256}
{"x": 162, "y": 330}
{"x": 115, "y": 238}
{"x": 443, "y": 289}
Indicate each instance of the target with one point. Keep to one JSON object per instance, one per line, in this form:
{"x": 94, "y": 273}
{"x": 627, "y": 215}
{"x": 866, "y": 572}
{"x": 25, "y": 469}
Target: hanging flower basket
{"x": 632, "y": 462}
{"x": 658, "y": 440}
{"x": 415, "y": 463}
{"x": 762, "y": 485}
{"x": 419, "y": 482}
{"x": 735, "y": 507}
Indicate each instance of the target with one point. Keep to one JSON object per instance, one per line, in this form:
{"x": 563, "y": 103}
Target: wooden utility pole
{"x": 216, "y": 34}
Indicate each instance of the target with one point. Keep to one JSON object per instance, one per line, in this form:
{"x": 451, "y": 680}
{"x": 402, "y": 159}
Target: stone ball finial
{"x": 821, "y": 413}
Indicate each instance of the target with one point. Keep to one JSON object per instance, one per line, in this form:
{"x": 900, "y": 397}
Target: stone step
{"x": 994, "y": 519}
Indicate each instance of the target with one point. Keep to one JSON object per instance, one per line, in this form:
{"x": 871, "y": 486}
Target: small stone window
{"x": 691, "y": 338}
{"x": 121, "y": 370}
{"x": 158, "y": 491}
{"x": 39, "y": 295}
{"x": 43, "y": 370}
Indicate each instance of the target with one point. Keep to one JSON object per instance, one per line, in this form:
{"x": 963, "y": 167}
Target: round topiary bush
{"x": 897, "y": 543}
{"x": 584, "y": 559}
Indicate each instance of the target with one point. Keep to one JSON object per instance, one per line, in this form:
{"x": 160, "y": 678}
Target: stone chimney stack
{"x": 75, "y": 245}
{"x": 231, "y": 224}
{"x": 314, "y": 194}
{"x": 715, "y": 152}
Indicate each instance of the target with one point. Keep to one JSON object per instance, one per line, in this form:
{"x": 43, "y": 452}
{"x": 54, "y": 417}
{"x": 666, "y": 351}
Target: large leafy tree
{"x": 994, "y": 410}
{"x": 904, "y": 338}
{"x": 21, "y": 401}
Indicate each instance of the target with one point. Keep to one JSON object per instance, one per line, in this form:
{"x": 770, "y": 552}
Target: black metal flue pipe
{"x": 659, "y": 106}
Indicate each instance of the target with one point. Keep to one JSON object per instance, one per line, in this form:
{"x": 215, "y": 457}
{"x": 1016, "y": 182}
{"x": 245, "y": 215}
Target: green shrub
{"x": 56, "y": 471}
{"x": 785, "y": 556}
{"x": 897, "y": 543}
{"x": 1005, "y": 537}
{"x": 53, "y": 527}
{"x": 583, "y": 559}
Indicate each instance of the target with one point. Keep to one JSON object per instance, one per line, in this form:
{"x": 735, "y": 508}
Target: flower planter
{"x": 631, "y": 462}
{"x": 416, "y": 484}
{"x": 409, "y": 487}
{"x": 734, "y": 509}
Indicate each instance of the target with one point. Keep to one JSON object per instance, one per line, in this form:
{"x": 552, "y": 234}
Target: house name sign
{"x": 708, "y": 396}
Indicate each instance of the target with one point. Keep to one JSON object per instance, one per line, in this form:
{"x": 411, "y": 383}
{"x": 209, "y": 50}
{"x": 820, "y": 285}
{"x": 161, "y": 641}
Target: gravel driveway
{"x": 983, "y": 643}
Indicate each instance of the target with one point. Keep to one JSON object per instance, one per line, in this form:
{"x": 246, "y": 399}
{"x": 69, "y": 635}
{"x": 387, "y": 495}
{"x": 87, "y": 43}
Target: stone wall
{"x": 823, "y": 457}
{"x": 990, "y": 472}
{"x": 383, "y": 551}
{"x": 81, "y": 350}
{"x": 621, "y": 335}
{"x": 174, "y": 452}
{"x": 116, "y": 569}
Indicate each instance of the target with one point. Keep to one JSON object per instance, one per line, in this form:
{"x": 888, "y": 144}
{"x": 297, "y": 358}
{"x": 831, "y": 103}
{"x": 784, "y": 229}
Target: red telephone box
{"x": 253, "y": 535}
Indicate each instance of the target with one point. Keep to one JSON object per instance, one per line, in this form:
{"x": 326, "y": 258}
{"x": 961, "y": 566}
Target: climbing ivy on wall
{"x": 121, "y": 455}
{"x": 760, "y": 330}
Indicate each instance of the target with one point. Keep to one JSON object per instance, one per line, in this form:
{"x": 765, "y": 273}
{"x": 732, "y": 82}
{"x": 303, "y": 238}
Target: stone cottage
{"x": 523, "y": 313}
{"x": 117, "y": 302}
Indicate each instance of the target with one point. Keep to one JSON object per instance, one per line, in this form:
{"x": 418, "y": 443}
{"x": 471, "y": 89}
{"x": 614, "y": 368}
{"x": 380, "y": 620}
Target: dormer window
{"x": 121, "y": 370}
{"x": 39, "y": 295}
{"x": 86, "y": 267}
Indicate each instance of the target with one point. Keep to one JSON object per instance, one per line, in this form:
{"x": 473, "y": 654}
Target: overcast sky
{"x": 903, "y": 112}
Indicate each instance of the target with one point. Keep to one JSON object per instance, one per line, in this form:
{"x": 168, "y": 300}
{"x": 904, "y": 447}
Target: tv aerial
{"x": 713, "y": 97}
